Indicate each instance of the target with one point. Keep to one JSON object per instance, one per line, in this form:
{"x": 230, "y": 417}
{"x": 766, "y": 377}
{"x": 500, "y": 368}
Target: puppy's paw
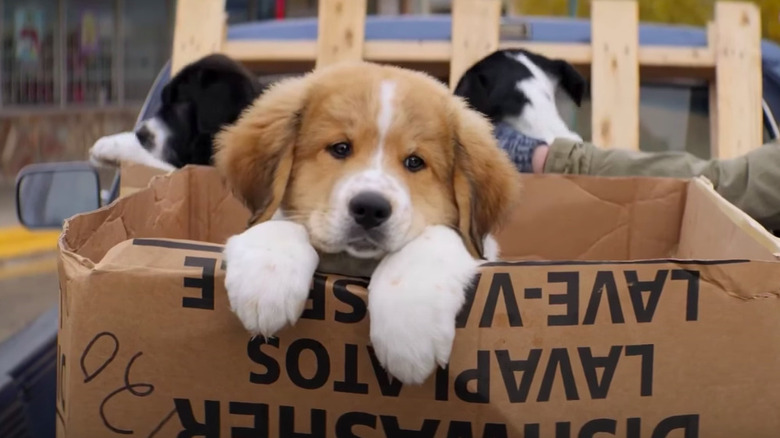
{"x": 107, "y": 151}
{"x": 268, "y": 273}
{"x": 414, "y": 296}
{"x": 491, "y": 249}
{"x": 111, "y": 150}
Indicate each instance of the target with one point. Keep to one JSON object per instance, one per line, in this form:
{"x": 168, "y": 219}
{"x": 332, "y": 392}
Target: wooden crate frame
{"x": 614, "y": 58}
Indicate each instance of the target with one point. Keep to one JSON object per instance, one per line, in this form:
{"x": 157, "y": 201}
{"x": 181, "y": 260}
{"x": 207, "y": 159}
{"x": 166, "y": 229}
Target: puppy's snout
{"x": 369, "y": 209}
{"x": 144, "y": 136}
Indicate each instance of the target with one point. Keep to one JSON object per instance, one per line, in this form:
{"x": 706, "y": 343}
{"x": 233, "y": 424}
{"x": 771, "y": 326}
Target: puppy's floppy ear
{"x": 485, "y": 181}
{"x": 489, "y": 86}
{"x": 255, "y": 154}
{"x": 221, "y": 96}
{"x": 474, "y": 86}
{"x": 571, "y": 80}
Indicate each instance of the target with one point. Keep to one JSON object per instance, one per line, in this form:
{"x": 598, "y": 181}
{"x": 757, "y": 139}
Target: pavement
{"x": 28, "y": 268}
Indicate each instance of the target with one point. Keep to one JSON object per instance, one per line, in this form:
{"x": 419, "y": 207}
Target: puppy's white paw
{"x": 110, "y": 150}
{"x": 414, "y": 296}
{"x": 269, "y": 269}
{"x": 107, "y": 151}
{"x": 490, "y": 248}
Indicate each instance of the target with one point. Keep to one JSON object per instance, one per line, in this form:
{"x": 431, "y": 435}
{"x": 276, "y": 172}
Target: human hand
{"x": 527, "y": 153}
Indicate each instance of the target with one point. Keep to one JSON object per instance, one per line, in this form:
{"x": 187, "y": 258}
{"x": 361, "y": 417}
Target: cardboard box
{"x": 135, "y": 177}
{"x": 633, "y": 307}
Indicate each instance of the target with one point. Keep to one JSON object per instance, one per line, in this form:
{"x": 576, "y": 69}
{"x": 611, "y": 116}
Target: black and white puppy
{"x": 518, "y": 87}
{"x": 195, "y": 104}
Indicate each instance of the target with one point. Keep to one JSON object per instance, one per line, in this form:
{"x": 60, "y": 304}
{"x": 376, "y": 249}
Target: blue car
{"x": 674, "y": 115}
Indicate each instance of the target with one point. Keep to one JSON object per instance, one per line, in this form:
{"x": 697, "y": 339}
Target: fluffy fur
{"x": 518, "y": 87}
{"x": 196, "y": 103}
{"x": 369, "y": 170}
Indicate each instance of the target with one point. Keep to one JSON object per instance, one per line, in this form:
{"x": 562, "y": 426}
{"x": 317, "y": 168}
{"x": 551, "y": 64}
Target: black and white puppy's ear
{"x": 488, "y": 86}
{"x": 217, "y": 87}
{"x": 222, "y": 96}
{"x": 570, "y": 80}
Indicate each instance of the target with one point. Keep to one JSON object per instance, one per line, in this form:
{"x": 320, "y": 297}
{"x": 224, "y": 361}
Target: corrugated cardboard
{"x": 135, "y": 177}
{"x": 633, "y": 307}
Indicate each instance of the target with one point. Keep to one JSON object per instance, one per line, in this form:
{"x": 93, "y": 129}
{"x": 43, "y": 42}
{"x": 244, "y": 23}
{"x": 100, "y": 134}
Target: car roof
{"x": 437, "y": 27}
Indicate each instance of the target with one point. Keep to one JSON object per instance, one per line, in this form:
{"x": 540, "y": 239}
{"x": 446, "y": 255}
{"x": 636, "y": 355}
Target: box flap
{"x": 568, "y": 217}
{"x": 714, "y": 228}
{"x": 191, "y": 203}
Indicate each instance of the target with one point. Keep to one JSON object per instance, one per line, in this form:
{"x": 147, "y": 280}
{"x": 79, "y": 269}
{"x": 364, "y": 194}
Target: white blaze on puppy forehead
{"x": 384, "y": 118}
{"x": 375, "y": 177}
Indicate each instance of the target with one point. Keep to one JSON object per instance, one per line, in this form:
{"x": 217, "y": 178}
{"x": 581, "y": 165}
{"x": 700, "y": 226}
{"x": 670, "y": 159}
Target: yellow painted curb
{"x": 18, "y": 241}
{"x": 33, "y": 267}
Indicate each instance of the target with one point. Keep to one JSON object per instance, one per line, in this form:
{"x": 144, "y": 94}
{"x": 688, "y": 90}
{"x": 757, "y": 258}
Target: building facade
{"x": 72, "y": 71}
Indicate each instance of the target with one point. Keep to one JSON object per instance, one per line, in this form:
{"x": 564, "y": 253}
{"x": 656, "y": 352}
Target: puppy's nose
{"x": 369, "y": 209}
{"x": 144, "y": 136}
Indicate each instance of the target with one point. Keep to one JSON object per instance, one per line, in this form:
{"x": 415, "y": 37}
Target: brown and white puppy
{"x": 370, "y": 170}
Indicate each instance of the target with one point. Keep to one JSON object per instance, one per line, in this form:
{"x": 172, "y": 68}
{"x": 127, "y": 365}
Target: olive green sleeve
{"x": 750, "y": 182}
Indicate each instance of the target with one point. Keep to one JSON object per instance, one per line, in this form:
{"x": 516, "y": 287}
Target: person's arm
{"x": 750, "y": 182}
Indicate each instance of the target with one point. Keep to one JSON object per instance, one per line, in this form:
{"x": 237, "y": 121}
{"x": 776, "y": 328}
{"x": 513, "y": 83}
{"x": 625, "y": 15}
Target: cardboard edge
{"x": 134, "y": 177}
{"x": 742, "y": 220}
{"x": 162, "y": 250}
{"x": 65, "y": 247}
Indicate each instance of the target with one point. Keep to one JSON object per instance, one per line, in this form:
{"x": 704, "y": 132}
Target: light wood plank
{"x": 441, "y": 51}
{"x": 686, "y": 57}
{"x": 470, "y": 45}
{"x": 341, "y": 31}
{"x": 270, "y": 50}
{"x": 615, "y": 73}
{"x": 200, "y": 29}
{"x": 738, "y": 69}
{"x": 408, "y": 51}
{"x": 713, "y": 94}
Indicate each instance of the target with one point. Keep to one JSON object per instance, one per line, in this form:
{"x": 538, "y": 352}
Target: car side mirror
{"x": 49, "y": 193}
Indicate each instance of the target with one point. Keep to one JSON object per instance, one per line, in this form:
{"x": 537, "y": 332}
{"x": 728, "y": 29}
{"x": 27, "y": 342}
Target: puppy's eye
{"x": 340, "y": 150}
{"x": 414, "y": 163}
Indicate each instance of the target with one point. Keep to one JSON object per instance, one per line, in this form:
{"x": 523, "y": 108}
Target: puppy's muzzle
{"x": 370, "y": 209}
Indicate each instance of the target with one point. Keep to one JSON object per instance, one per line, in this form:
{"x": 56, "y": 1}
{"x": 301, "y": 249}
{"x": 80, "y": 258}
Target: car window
{"x": 672, "y": 117}
{"x": 154, "y": 98}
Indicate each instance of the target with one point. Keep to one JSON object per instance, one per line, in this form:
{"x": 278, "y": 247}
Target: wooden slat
{"x": 686, "y": 57}
{"x": 713, "y": 94}
{"x": 270, "y": 51}
{"x": 475, "y": 34}
{"x": 408, "y": 51}
{"x": 441, "y": 51}
{"x": 615, "y": 73}
{"x": 738, "y": 70}
{"x": 341, "y": 31}
{"x": 199, "y": 31}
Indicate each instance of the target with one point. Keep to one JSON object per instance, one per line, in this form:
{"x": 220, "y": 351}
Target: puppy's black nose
{"x": 369, "y": 209}
{"x": 145, "y": 137}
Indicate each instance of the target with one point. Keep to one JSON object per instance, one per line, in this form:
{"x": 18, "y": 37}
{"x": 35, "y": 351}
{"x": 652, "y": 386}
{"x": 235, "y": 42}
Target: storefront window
{"x": 29, "y": 70}
{"x": 242, "y": 11}
{"x": 148, "y": 36}
{"x": 90, "y": 51}
{"x": 83, "y": 52}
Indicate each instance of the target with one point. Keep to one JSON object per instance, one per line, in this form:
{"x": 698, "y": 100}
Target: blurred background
{"x": 72, "y": 71}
